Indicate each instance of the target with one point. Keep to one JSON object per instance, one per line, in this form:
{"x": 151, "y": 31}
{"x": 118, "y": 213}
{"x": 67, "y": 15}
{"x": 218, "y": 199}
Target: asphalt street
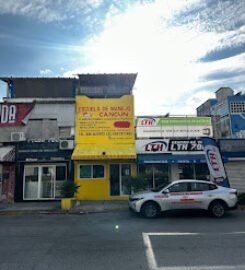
{"x": 121, "y": 240}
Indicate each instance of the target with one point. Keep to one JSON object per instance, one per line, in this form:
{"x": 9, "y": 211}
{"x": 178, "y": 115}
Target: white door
{"x": 43, "y": 181}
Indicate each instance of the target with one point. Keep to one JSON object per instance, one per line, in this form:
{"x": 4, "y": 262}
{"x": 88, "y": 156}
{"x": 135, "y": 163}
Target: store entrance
{"x": 118, "y": 172}
{"x": 43, "y": 181}
{"x": 155, "y": 174}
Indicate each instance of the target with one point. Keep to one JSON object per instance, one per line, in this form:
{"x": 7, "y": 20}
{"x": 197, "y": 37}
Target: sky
{"x": 182, "y": 50}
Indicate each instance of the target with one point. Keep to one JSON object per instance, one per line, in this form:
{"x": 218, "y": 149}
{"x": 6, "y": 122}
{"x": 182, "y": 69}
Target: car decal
{"x": 186, "y": 193}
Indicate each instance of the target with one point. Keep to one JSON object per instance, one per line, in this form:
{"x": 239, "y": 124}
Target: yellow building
{"x": 105, "y": 147}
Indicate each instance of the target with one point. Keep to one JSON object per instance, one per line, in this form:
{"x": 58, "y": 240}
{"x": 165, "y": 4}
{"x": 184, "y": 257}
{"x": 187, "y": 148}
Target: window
{"x": 237, "y": 107}
{"x": 92, "y": 171}
{"x": 212, "y": 187}
{"x": 181, "y": 187}
{"x": 60, "y": 173}
{"x": 98, "y": 171}
{"x": 199, "y": 186}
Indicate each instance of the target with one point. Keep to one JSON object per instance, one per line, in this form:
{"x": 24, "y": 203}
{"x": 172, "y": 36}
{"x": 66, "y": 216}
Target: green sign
{"x": 184, "y": 121}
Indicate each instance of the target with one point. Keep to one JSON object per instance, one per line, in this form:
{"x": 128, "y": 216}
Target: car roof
{"x": 191, "y": 180}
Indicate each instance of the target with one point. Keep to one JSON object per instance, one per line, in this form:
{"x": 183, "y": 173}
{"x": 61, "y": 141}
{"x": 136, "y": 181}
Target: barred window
{"x": 237, "y": 107}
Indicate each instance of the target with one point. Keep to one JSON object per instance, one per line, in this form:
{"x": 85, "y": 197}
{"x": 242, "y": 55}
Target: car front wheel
{"x": 217, "y": 209}
{"x": 150, "y": 210}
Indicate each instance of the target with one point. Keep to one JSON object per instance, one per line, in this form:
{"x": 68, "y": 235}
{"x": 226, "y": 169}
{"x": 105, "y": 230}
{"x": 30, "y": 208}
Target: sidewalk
{"x": 54, "y": 207}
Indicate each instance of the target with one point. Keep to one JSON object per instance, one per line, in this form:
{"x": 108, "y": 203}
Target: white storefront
{"x": 164, "y": 160}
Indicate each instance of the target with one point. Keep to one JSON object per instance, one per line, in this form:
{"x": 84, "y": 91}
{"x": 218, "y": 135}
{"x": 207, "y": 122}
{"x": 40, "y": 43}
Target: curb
{"x": 59, "y": 212}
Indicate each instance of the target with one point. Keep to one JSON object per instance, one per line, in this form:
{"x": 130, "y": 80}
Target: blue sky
{"x": 182, "y": 50}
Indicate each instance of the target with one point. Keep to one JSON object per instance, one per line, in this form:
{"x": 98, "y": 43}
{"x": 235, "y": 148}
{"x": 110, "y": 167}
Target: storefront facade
{"x": 105, "y": 148}
{"x": 41, "y": 169}
{"x": 161, "y": 161}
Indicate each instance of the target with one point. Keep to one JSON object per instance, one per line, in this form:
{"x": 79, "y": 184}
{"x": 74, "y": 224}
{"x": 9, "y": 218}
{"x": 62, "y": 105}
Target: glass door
{"x": 43, "y": 181}
{"x": 47, "y": 182}
{"x": 125, "y": 172}
{"x": 118, "y": 172}
{"x": 31, "y": 182}
{"x": 114, "y": 179}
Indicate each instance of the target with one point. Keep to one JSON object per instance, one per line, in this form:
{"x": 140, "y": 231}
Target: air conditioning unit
{"x": 17, "y": 136}
{"x": 66, "y": 144}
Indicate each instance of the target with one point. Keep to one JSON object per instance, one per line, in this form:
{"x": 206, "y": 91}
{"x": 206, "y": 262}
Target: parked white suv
{"x": 185, "y": 194}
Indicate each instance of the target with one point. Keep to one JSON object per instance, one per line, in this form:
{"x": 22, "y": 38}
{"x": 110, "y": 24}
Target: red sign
{"x": 13, "y": 114}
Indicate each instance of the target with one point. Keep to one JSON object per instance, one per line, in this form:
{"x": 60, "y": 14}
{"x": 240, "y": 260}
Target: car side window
{"x": 180, "y": 187}
{"x": 212, "y": 187}
{"x": 199, "y": 186}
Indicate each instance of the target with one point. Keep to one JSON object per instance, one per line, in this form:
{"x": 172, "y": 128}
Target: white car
{"x": 185, "y": 194}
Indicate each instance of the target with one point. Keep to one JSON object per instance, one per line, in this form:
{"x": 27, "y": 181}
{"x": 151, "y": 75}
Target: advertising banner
{"x": 186, "y": 145}
{"x": 104, "y": 120}
{"x": 159, "y": 146}
{"x": 152, "y": 146}
{"x": 214, "y": 161}
{"x": 174, "y": 127}
{"x": 13, "y": 114}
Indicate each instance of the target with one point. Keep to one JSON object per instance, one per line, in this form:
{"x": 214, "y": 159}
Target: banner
{"x": 109, "y": 120}
{"x": 14, "y": 114}
{"x": 173, "y": 127}
{"x": 215, "y": 163}
{"x": 152, "y": 146}
{"x": 159, "y": 146}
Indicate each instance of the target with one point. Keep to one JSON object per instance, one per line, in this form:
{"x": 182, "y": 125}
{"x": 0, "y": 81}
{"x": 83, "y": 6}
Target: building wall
{"x": 42, "y": 87}
{"x": 205, "y": 108}
{"x": 45, "y": 121}
{"x": 227, "y": 121}
{"x": 93, "y": 189}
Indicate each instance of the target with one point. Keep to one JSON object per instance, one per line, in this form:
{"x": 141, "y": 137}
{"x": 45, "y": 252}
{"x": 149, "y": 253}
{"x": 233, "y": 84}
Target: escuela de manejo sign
{"x": 104, "y": 120}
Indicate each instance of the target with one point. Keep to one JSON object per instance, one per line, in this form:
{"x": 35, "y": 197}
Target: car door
{"x": 178, "y": 196}
{"x": 199, "y": 195}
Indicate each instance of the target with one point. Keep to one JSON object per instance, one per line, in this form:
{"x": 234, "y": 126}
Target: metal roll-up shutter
{"x": 236, "y": 174}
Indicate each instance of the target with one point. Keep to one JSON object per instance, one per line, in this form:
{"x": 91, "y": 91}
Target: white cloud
{"x": 48, "y": 11}
{"x": 143, "y": 40}
{"x": 45, "y": 72}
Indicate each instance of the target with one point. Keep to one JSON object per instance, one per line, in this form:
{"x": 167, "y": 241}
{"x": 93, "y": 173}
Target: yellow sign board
{"x": 104, "y": 120}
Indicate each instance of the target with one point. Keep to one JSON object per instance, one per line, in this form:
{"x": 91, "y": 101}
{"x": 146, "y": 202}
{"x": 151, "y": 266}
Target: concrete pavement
{"x": 54, "y": 207}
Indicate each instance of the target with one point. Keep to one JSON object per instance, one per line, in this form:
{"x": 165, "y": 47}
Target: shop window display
{"x": 155, "y": 174}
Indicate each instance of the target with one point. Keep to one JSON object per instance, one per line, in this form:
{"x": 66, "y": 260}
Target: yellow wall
{"x": 91, "y": 189}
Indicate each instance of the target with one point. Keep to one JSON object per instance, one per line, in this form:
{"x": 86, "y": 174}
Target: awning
{"x": 104, "y": 151}
{"x": 7, "y": 154}
{"x": 171, "y": 159}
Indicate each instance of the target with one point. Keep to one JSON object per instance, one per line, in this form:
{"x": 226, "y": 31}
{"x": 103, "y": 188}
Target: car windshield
{"x": 159, "y": 188}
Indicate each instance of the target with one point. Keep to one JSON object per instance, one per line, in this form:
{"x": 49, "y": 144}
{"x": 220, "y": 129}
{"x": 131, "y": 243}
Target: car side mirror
{"x": 166, "y": 191}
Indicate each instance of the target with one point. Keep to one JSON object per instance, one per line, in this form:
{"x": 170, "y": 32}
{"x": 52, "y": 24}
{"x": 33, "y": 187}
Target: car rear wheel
{"x": 150, "y": 210}
{"x": 217, "y": 209}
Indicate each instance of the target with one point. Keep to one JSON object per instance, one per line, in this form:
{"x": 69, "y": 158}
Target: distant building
{"x": 228, "y": 113}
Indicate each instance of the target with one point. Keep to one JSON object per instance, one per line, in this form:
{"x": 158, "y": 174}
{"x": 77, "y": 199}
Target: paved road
{"x": 118, "y": 241}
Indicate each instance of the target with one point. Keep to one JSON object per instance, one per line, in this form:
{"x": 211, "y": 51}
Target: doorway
{"x": 43, "y": 181}
{"x": 118, "y": 172}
